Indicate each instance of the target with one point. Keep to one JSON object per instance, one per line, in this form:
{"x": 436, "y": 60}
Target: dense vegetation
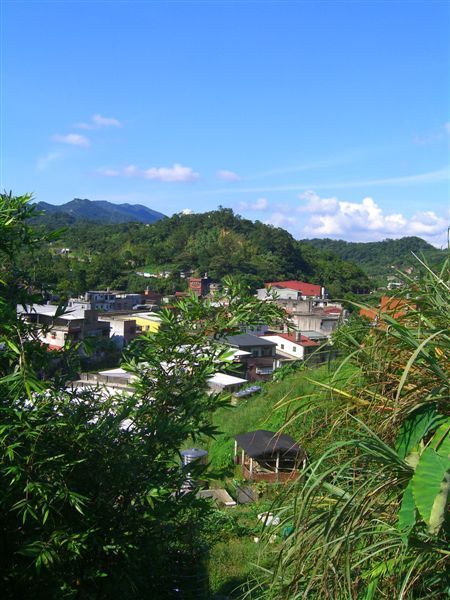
{"x": 91, "y": 499}
{"x": 218, "y": 242}
{"x": 89, "y": 488}
{"x": 380, "y": 259}
{"x": 370, "y": 514}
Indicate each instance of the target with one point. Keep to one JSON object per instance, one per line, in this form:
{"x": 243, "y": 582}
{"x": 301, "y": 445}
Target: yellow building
{"x": 147, "y": 322}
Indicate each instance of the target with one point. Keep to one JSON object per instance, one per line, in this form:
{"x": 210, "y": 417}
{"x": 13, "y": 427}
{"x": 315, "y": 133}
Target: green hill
{"x": 380, "y": 259}
{"x": 217, "y": 242}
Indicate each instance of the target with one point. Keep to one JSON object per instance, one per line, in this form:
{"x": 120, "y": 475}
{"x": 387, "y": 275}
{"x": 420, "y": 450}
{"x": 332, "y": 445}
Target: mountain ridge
{"x": 383, "y": 257}
{"x": 102, "y": 211}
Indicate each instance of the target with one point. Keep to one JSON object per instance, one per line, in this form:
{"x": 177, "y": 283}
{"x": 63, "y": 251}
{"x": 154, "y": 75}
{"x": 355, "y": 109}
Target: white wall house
{"x": 292, "y": 346}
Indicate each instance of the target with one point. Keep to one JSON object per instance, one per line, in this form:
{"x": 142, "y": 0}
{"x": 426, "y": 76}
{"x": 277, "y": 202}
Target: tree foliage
{"x": 217, "y": 242}
{"x": 91, "y": 501}
{"x": 382, "y": 258}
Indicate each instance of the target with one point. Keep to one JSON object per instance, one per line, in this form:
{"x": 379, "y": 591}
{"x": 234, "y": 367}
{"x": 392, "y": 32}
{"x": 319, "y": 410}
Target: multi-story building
{"x": 146, "y": 322}
{"x": 199, "y": 285}
{"x": 257, "y": 355}
{"x": 105, "y": 300}
{"x": 123, "y": 328}
{"x": 306, "y": 304}
{"x": 56, "y": 329}
{"x": 292, "y": 290}
{"x": 292, "y": 346}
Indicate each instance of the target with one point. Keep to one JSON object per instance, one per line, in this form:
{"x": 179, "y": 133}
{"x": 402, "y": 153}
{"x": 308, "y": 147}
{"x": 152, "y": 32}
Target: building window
{"x": 282, "y": 346}
{"x": 294, "y": 348}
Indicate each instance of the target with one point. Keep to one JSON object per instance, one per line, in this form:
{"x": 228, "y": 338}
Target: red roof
{"x": 388, "y": 304}
{"x": 303, "y": 341}
{"x": 332, "y": 309}
{"x": 307, "y": 289}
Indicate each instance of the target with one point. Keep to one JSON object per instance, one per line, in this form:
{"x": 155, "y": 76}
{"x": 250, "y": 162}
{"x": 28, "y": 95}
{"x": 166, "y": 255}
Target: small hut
{"x": 268, "y": 456}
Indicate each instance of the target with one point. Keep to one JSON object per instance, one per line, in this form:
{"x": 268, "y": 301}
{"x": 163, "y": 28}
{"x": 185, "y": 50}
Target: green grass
{"x": 154, "y": 268}
{"x": 260, "y": 412}
{"x": 234, "y": 556}
{"x": 231, "y": 563}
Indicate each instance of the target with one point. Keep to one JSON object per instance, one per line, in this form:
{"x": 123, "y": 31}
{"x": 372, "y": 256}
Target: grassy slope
{"x": 273, "y": 408}
{"x": 233, "y": 558}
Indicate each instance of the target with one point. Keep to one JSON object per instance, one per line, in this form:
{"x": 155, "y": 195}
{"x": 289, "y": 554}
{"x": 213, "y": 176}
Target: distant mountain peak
{"x": 102, "y": 211}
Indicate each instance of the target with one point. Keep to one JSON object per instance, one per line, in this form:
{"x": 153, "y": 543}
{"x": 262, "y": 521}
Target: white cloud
{"x": 106, "y": 121}
{"x": 434, "y": 136}
{"x": 98, "y": 121}
{"x": 227, "y": 175}
{"x": 436, "y": 176}
{"x": 187, "y": 211}
{"x": 73, "y": 139}
{"x": 176, "y": 173}
{"x": 108, "y": 172}
{"x": 44, "y": 161}
{"x": 365, "y": 220}
{"x": 299, "y": 168}
{"x": 169, "y": 174}
{"x": 260, "y": 204}
{"x": 279, "y": 219}
{"x": 316, "y": 204}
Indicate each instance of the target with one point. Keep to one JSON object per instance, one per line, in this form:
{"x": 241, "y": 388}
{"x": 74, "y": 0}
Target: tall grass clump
{"x": 370, "y": 515}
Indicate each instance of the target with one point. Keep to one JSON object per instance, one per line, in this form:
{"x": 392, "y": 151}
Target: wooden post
{"x": 251, "y": 468}
{"x": 277, "y": 462}
{"x": 235, "y": 448}
{"x": 243, "y": 458}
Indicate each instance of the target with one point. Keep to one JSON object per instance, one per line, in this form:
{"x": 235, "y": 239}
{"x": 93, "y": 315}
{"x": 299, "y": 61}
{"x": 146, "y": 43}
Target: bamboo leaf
{"x": 412, "y": 360}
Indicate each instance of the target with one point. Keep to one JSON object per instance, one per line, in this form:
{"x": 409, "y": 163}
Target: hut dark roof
{"x": 262, "y": 444}
{"x": 246, "y": 340}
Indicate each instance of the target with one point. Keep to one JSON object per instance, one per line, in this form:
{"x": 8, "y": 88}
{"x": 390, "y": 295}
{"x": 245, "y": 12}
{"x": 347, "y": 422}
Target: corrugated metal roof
{"x": 261, "y": 444}
{"x": 248, "y": 339}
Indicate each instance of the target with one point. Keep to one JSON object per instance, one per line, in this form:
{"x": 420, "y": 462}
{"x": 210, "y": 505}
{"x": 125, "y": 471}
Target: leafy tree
{"x": 218, "y": 242}
{"x": 91, "y": 501}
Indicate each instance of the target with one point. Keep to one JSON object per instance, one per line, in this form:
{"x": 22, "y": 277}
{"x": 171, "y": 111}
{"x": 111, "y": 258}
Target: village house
{"x": 74, "y": 325}
{"x": 389, "y": 305}
{"x": 202, "y": 286}
{"x": 306, "y": 304}
{"x": 292, "y": 290}
{"x": 105, "y": 300}
{"x": 146, "y": 322}
{"x": 123, "y": 329}
{"x": 291, "y": 346}
{"x": 257, "y": 357}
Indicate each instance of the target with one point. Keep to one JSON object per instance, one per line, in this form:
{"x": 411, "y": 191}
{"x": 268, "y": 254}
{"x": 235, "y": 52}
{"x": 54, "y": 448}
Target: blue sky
{"x": 331, "y": 119}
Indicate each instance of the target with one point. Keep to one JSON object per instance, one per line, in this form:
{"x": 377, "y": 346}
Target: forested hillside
{"x": 218, "y": 242}
{"x": 379, "y": 259}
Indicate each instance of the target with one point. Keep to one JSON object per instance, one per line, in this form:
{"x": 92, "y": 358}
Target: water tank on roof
{"x": 194, "y": 454}
{"x": 189, "y": 456}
